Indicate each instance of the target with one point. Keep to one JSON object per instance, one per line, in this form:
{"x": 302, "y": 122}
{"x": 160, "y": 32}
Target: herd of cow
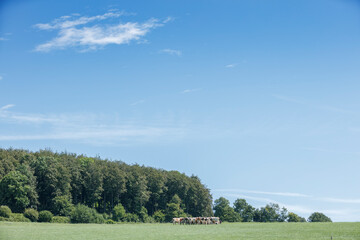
{"x": 196, "y": 220}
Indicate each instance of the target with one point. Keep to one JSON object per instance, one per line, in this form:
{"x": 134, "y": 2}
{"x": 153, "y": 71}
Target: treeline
{"x": 63, "y": 183}
{"x": 244, "y": 212}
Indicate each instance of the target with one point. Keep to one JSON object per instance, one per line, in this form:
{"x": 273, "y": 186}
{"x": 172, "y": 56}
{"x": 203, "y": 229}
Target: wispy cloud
{"x": 3, "y": 39}
{"x": 232, "y": 65}
{"x": 190, "y": 90}
{"x": 7, "y": 106}
{"x": 137, "y": 102}
{"x": 1, "y": 78}
{"x": 284, "y": 194}
{"x": 311, "y": 105}
{"x": 75, "y": 31}
{"x": 89, "y": 128}
{"x": 171, "y": 52}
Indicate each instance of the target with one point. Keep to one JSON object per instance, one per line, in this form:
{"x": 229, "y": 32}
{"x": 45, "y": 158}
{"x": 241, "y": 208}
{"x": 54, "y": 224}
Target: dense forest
{"x": 57, "y": 182}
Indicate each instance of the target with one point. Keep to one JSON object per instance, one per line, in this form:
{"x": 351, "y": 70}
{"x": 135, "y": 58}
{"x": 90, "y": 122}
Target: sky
{"x": 259, "y": 99}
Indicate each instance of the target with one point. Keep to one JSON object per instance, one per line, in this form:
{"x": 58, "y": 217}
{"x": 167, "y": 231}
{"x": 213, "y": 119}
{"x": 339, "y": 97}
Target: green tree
{"x": 159, "y": 216}
{"x": 173, "y": 210}
{"x": 293, "y": 217}
{"x": 245, "y": 210}
{"x": 224, "y": 211}
{"x": 62, "y": 206}
{"x": 118, "y": 213}
{"x": 15, "y": 191}
{"x": 318, "y": 217}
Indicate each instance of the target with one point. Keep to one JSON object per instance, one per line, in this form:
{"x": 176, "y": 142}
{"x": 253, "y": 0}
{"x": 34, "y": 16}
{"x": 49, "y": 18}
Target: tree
{"x": 245, "y": 210}
{"x": 15, "y": 191}
{"x": 318, "y": 217}
{"x": 159, "y": 216}
{"x": 270, "y": 213}
{"x": 62, "y": 206}
{"x": 173, "y": 210}
{"x": 292, "y": 217}
{"x": 225, "y": 212}
{"x": 119, "y": 213}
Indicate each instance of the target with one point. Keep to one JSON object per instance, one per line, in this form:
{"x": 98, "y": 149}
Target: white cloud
{"x": 1, "y": 78}
{"x": 84, "y": 127}
{"x": 190, "y": 90}
{"x": 284, "y": 194}
{"x": 137, "y": 102}
{"x": 171, "y": 51}
{"x": 3, "y": 39}
{"x": 231, "y": 65}
{"x": 76, "y": 32}
{"x": 6, "y": 106}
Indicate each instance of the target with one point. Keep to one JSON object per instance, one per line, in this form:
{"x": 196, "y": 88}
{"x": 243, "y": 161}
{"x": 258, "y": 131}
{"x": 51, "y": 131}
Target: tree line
{"x": 63, "y": 182}
{"x": 272, "y": 212}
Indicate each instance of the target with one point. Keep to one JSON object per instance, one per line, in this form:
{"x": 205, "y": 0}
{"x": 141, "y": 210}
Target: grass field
{"x": 45, "y": 231}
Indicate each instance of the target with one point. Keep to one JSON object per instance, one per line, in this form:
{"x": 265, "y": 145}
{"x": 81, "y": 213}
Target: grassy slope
{"x": 42, "y": 231}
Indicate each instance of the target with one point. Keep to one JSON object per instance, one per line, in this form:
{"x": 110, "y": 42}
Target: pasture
{"x": 269, "y": 231}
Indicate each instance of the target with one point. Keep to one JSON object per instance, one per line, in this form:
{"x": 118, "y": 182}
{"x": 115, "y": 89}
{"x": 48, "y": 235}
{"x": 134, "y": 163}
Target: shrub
{"x": 18, "y": 217}
{"x": 60, "y": 219}
{"x": 159, "y": 216}
{"x": 118, "y": 213}
{"x": 131, "y": 217}
{"x": 3, "y": 219}
{"x": 84, "y": 214}
{"x": 110, "y": 221}
{"x": 62, "y": 206}
{"x": 31, "y": 214}
{"x": 319, "y": 217}
{"x": 5, "y": 211}
{"x": 45, "y": 216}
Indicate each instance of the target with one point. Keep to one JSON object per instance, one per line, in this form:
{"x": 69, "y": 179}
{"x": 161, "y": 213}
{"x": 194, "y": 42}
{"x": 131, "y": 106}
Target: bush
{"x": 131, "y": 217}
{"x": 18, "y": 217}
{"x": 31, "y": 214}
{"x": 45, "y": 216}
{"x": 159, "y": 216}
{"x": 84, "y": 214}
{"x": 110, "y": 222}
{"x": 5, "y": 211}
{"x": 60, "y": 219}
{"x": 118, "y": 213}
{"x": 3, "y": 219}
{"x": 62, "y": 206}
{"x": 319, "y": 217}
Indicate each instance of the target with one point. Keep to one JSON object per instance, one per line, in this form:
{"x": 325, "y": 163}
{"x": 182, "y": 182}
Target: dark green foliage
{"x": 45, "y": 216}
{"x": 225, "y": 212}
{"x": 292, "y": 217}
{"x": 60, "y": 219}
{"x": 56, "y": 181}
{"x": 131, "y": 217}
{"x": 318, "y": 217}
{"x": 118, "y": 213}
{"x": 5, "y": 211}
{"x": 173, "y": 210}
{"x": 270, "y": 213}
{"x": 62, "y": 206}
{"x": 31, "y": 214}
{"x": 159, "y": 216}
{"x": 84, "y": 214}
{"x": 245, "y": 210}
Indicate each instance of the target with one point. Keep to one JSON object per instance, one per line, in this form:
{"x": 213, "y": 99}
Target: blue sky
{"x": 260, "y": 99}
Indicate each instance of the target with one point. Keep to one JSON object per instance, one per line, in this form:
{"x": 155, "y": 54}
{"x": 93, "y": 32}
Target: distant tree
{"x": 15, "y": 191}
{"x": 245, "y": 210}
{"x": 318, "y": 217}
{"x": 292, "y": 217}
{"x": 270, "y": 213}
{"x": 62, "y": 206}
{"x": 159, "y": 216}
{"x": 224, "y": 211}
{"x": 173, "y": 210}
{"x": 119, "y": 212}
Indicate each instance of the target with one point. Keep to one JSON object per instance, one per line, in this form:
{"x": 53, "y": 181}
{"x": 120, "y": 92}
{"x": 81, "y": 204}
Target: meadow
{"x": 270, "y": 231}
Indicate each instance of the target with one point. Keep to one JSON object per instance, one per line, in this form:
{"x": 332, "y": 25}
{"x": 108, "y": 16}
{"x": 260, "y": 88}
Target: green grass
{"x": 293, "y": 231}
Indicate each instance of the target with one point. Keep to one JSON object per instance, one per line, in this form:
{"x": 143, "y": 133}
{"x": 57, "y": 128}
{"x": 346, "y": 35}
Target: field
{"x": 44, "y": 231}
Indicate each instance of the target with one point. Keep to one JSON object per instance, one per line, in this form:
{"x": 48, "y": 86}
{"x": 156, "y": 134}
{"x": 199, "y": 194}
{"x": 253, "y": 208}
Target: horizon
{"x": 258, "y": 99}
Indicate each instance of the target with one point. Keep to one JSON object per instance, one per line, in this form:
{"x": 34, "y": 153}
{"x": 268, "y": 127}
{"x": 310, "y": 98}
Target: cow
{"x": 176, "y": 220}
